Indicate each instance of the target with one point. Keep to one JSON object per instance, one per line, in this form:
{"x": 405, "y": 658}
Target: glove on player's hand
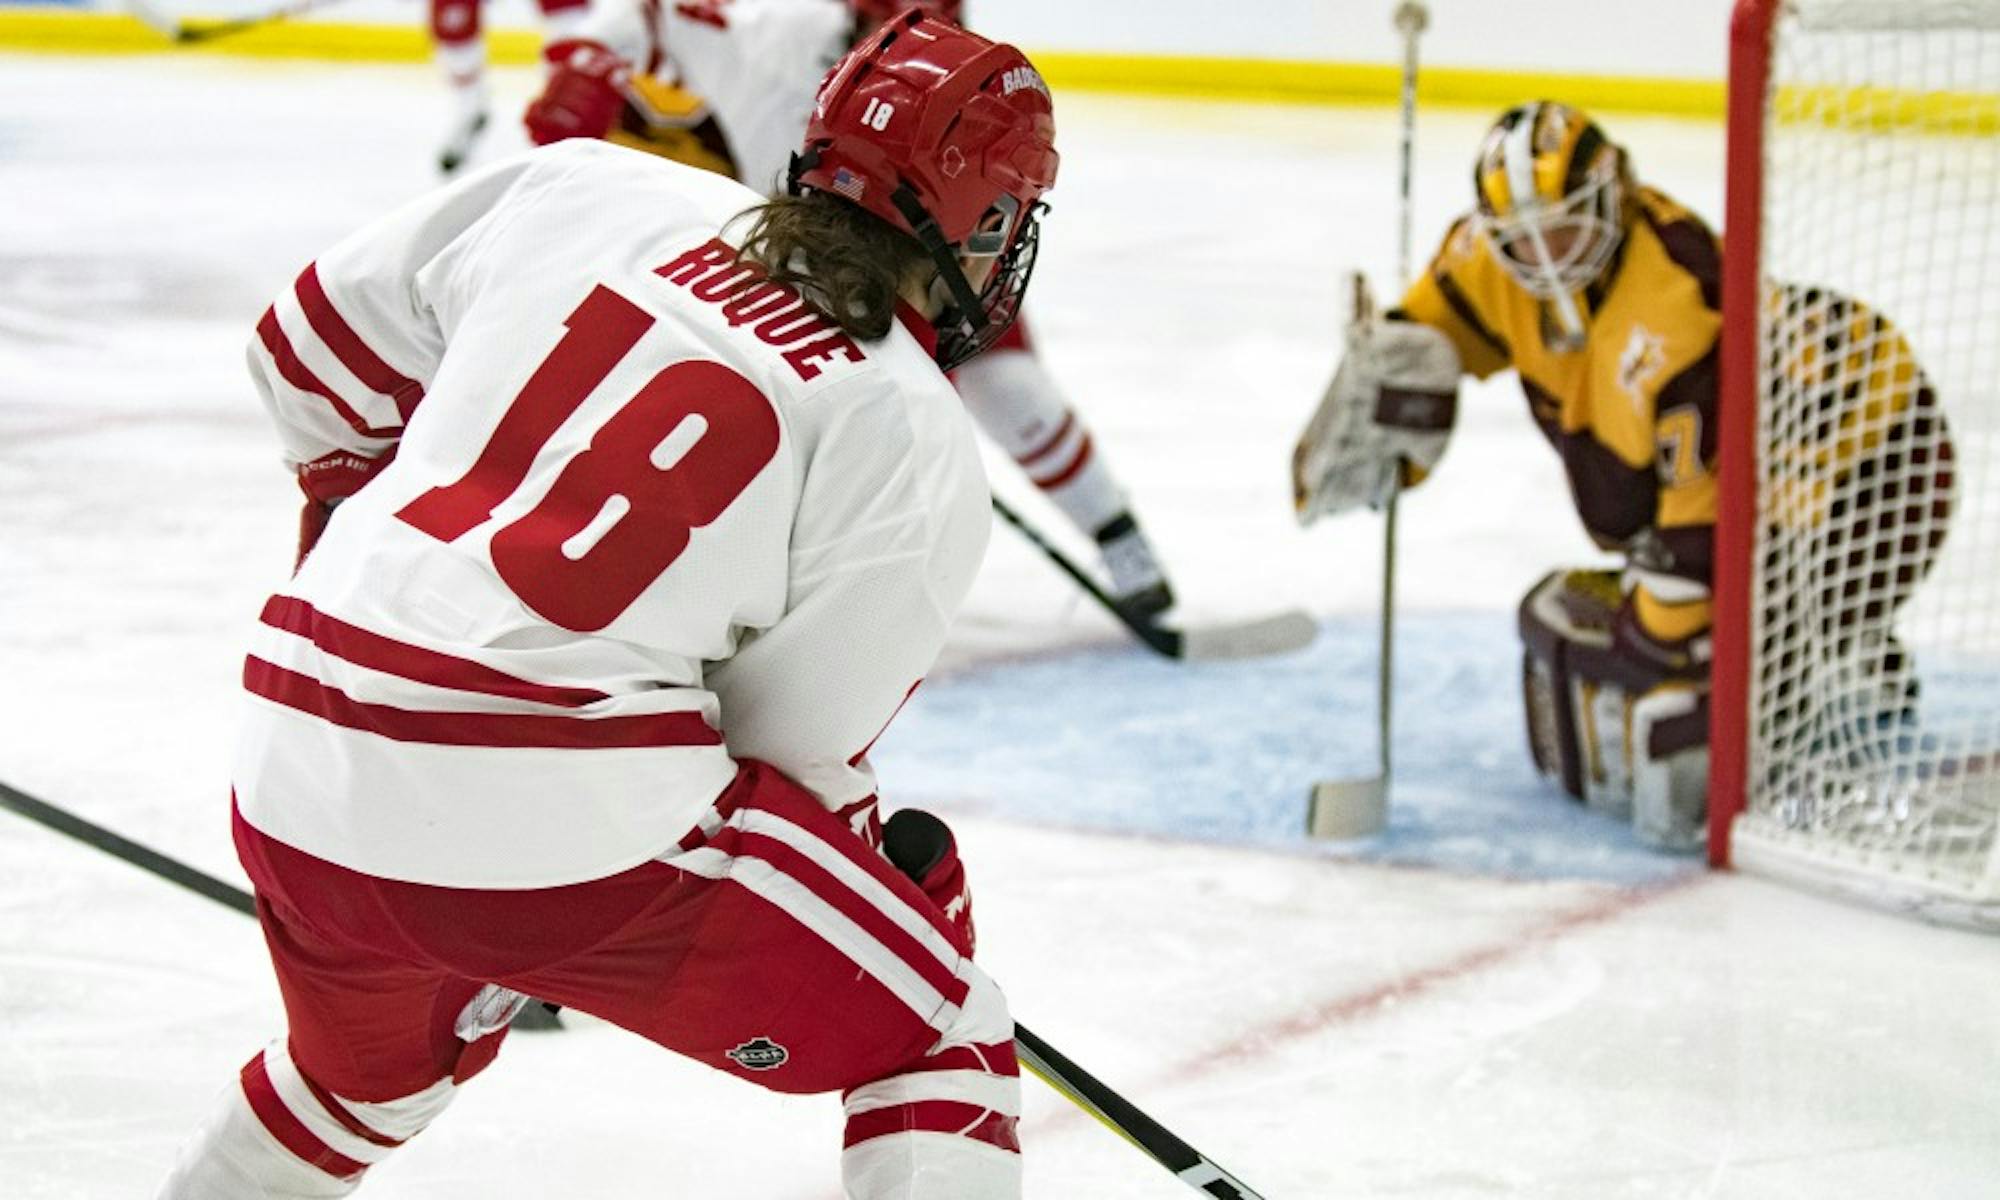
{"x": 921, "y": 847}
{"x": 326, "y": 481}
{"x": 584, "y": 96}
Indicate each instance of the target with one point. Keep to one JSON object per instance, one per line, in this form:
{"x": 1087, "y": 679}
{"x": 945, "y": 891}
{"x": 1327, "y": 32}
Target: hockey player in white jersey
{"x": 742, "y": 74}
{"x": 458, "y": 44}
{"x": 654, "y": 504}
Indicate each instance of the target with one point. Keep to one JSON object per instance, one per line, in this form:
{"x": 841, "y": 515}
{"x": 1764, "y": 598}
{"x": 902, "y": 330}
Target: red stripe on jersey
{"x": 873, "y": 921}
{"x": 285, "y": 1126}
{"x": 1049, "y": 444}
{"x": 337, "y": 1109}
{"x": 1051, "y": 482}
{"x": 301, "y": 377}
{"x": 936, "y": 1116}
{"x": 354, "y": 644}
{"x": 512, "y": 730}
{"x": 995, "y": 1058}
{"x": 347, "y": 346}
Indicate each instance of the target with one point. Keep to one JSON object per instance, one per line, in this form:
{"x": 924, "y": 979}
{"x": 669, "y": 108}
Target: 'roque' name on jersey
{"x": 774, "y": 313}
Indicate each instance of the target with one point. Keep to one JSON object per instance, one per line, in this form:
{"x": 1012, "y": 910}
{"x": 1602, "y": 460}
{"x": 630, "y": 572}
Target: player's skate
{"x": 1138, "y": 586}
{"x": 459, "y": 141}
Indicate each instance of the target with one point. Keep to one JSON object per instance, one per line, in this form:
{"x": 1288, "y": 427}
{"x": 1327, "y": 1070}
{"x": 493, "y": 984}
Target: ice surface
{"x": 1503, "y": 996}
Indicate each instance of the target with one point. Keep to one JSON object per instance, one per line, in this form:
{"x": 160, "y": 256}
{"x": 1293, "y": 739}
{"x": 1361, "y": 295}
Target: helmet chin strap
{"x": 965, "y": 302}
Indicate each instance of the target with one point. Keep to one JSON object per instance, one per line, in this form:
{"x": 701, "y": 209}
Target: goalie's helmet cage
{"x": 950, "y": 138}
{"x": 1551, "y": 194}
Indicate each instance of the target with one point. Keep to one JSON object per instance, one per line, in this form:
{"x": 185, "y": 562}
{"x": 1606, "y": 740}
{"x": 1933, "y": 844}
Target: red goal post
{"x": 1855, "y": 740}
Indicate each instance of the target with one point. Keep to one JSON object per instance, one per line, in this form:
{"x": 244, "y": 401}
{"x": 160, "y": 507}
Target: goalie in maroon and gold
{"x": 1604, "y": 296}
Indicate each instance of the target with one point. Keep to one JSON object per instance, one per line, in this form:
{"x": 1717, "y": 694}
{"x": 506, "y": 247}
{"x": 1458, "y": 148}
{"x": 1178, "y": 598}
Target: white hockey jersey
{"x": 758, "y": 64}
{"x": 646, "y": 512}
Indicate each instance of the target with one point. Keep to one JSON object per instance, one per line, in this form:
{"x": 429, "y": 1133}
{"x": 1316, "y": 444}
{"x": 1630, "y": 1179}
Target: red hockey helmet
{"x": 881, "y": 10}
{"x": 950, "y": 138}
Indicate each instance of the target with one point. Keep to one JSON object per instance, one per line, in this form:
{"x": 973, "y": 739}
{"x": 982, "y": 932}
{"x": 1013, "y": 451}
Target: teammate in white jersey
{"x": 458, "y": 44}
{"x": 743, "y": 74}
{"x": 654, "y": 506}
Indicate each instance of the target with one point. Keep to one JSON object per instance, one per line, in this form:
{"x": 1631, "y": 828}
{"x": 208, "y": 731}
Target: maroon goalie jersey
{"x": 647, "y": 513}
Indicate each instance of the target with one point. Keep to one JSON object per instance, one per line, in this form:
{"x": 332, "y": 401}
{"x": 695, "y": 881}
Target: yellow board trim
{"x": 1366, "y": 83}
{"x": 59, "y": 31}
{"x": 63, "y": 31}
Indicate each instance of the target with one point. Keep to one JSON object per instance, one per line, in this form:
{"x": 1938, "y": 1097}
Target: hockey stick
{"x": 1126, "y": 1120}
{"x": 1251, "y": 638}
{"x": 535, "y": 1016}
{"x": 188, "y": 33}
{"x": 1068, "y": 1079}
{"x": 1354, "y": 808}
{"x": 97, "y": 837}
{"x": 914, "y": 840}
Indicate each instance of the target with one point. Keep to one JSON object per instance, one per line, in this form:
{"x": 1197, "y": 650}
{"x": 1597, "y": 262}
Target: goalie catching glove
{"x": 1383, "y": 422}
{"x": 1618, "y": 718}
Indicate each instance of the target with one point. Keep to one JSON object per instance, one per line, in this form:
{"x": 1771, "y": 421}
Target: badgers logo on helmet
{"x": 1016, "y": 78}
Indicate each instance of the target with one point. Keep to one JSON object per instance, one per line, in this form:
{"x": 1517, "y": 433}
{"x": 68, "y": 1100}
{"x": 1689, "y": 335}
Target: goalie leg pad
{"x": 1637, "y": 753}
{"x": 1578, "y": 731}
{"x": 1670, "y": 768}
{"x": 1566, "y": 627}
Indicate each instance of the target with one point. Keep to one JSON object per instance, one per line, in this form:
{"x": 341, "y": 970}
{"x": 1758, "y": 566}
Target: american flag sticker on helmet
{"x": 848, "y": 184}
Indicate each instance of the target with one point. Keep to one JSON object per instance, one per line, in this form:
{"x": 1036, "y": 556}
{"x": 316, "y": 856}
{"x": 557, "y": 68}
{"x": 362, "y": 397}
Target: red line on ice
{"x": 1273, "y": 1034}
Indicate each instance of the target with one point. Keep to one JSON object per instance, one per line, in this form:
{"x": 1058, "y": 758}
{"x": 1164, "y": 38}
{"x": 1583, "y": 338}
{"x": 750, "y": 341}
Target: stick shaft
{"x": 1126, "y": 1119}
{"x": 188, "y": 33}
{"x": 100, "y": 838}
{"x": 1410, "y": 21}
{"x": 1164, "y": 641}
{"x": 1080, "y": 1087}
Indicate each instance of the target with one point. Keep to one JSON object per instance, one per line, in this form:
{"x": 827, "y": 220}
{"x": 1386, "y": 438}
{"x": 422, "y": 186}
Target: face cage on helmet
{"x": 1520, "y": 240}
{"x": 960, "y": 337}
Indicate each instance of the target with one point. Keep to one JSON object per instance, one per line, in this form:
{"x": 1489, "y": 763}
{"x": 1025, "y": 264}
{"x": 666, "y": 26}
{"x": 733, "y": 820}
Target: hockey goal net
{"x": 1856, "y": 738}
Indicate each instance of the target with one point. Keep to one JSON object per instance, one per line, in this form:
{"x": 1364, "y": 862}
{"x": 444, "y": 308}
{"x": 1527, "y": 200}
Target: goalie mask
{"x": 1552, "y": 191}
{"x": 950, "y": 138}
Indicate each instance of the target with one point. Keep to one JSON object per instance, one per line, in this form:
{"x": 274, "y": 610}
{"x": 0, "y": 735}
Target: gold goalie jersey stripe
{"x": 672, "y": 122}
{"x": 1632, "y": 412}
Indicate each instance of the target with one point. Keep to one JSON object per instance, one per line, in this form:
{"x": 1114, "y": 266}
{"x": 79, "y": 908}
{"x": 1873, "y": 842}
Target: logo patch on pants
{"x": 759, "y": 1054}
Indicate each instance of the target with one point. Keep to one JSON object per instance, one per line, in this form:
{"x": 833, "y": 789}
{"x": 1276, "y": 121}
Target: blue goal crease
{"x": 1115, "y": 738}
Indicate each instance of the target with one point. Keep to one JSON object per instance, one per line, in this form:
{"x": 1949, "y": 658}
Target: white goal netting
{"x": 1873, "y": 761}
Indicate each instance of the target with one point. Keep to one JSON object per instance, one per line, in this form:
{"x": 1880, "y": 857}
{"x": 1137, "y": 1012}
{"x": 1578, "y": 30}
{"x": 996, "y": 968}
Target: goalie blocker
{"x": 1618, "y": 733}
